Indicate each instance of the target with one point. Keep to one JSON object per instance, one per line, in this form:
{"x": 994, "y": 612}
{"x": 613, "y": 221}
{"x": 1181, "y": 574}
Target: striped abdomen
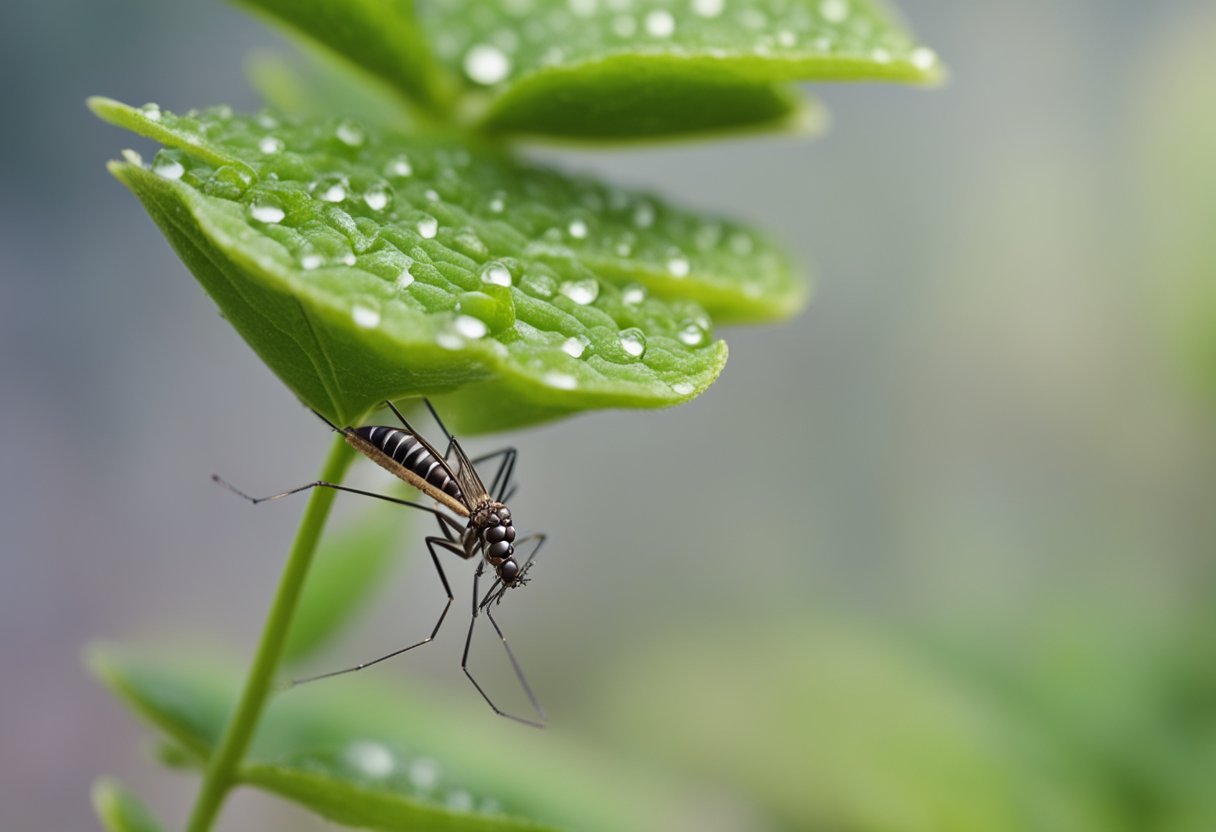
{"x": 403, "y": 447}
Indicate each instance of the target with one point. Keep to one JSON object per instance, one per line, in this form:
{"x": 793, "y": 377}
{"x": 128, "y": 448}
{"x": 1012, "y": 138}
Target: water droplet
{"x": 562, "y": 381}
{"x": 330, "y": 188}
{"x": 692, "y": 334}
{"x": 470, "y": 327}
{"x": 428, "y": 227}
{"x": 538, "y": 285}
{"x": 151, "y": 112}
{"x": 660, "y": 23}
{"x": 496, "y": 274}
{"x": 678, "y": 266}
{"x": 349, "y": 133}
{"x": 168, "y": 168}
{"x": 424, "y": 774}
{"x": 349, "y": 259}
{"x": 132, "y": 157}
{"x": 467, "y": 242}
{"x": 486, "y": 64}
{"x": 398, "y": 167}
{"x": 371, "y": 758}
{"x": 576, "y": 345}
{"x": 271, "y": 144}
{"x": 497, "y": 204}
{"x": 367, "y": 317}
{"x": 266, "y": 121}
{"x": 582, "y": 8}
{"x": 377, "y": 196}
{"x": 643, "y": 215}
{"x": 577, "y": 229}
{"x": 311, "y": 261}
{"x": 924, "y": 58}
{"x": 633, "y": 295}
{"x": 683, "y": 388}
{"x": 624, "y": 248}
{"x": 880, "y": 55}
{"x": 786, "y": 38}
{"x": 458, "y": 800}
{"x": 431, "y": 194}
{"x": 266, "y": 212}
{"x": 633, "y": 341}
{"x": 405, "y": 277}
{"x": 834, "y": 11}
{"x": 624, "y": 26}
{"x": 449, "y": 340}
{"x": 708, "y": 8}
{"x": 583, "y": 291}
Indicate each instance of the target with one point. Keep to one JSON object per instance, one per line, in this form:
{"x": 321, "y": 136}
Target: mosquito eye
{"x": 499, "y": 550}
{"x": 493, "y": 520}
{"x": 497, "y": 533}
{"x": 509, "y": 533}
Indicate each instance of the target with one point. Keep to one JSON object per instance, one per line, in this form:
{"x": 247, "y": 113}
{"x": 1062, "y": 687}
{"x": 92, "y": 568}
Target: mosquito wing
{"x": 409, "y": 457}
{"x": 468, "y": 479}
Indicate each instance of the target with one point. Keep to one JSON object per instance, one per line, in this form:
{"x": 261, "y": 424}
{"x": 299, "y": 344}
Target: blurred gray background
{"x": 979, "y": 428}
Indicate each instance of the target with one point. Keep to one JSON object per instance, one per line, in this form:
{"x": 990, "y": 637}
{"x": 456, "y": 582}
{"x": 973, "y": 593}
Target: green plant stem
{"x": 221, "y": 768}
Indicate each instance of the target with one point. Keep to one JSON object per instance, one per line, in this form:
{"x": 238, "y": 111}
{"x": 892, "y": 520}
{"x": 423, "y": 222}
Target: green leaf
{"x": 347, "y": 567}
{"x": 379, "y": 36}
{"x": 363, "y": 266}
{"x": 598, "y": 71}
{"x": 365, "y": 756}
{"x": 846, "y": 730}
{"x": 318, "y": 85}
{"x": 119, "y": 810}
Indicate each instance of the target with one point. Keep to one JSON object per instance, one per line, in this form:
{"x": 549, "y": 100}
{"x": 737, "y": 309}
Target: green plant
{"x": 375, "y": 238}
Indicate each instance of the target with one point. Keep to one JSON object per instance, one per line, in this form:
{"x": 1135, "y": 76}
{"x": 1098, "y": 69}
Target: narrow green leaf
{"x": 347, "y": 567}
{"x": 340, "y": 788}
{"x": 363, "y": 266}
{"x": 599, "y": 71}
{"x": 366, "y": 756}
{"x": 380, "y": 36}
{"x": 318, "y": 85}
{"x": 119, "y": 810}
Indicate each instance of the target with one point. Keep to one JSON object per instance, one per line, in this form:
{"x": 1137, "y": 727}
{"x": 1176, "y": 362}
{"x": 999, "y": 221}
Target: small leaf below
{"x": 119, "y": 810}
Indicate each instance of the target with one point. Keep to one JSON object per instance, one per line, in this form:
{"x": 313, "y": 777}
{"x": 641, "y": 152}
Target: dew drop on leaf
{"x": 633, "y": 342}
{"x": 496, "y": 274}
{"x": 576, "y": 345}
{"x": 583, "y": 291}
{"x": 486, "y": 64}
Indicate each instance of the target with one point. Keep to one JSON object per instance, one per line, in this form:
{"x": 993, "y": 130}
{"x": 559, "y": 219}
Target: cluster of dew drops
{"x": 377, "y": 196}
{"x": 492, "y": 43}
{"x": 422, "y": 777}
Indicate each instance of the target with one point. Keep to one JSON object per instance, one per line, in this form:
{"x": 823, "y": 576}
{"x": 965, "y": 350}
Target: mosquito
{"x": 488, "y": 532}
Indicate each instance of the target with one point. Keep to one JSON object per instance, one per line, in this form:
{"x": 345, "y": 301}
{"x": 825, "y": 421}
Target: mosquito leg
{"x": 519, "y": 673}
{"x": 400, "y": 418}
{"x": 438, "y": 421}
{"x": 468, "y": 642}
{"x": 322, "y": 484}
{"x": 431, "y": 543}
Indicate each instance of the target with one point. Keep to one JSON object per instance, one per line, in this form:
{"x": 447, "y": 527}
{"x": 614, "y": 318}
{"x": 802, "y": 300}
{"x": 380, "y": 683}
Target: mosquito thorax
{"x": 491, "y": 523}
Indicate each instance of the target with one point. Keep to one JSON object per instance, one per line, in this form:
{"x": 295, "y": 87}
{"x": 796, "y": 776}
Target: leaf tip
{"x": 119, "y": 810}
